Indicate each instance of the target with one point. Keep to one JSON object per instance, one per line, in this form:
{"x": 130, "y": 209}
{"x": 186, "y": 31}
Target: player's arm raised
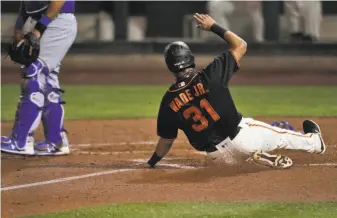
{"x": 236, "y": 44}
{"x": 53, "y": 10}
{"x": 163, "y": 147}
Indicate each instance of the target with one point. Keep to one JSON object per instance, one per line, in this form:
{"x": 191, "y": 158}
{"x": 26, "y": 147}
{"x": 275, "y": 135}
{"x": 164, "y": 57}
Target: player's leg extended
{"x": 257, "y": 136}
{"x": 28, "y": 114}
{"x": 55, "y": 43}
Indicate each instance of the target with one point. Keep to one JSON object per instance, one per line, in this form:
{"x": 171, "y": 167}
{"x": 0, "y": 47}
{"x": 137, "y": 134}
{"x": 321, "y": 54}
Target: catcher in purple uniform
{"x": 43, "y": 34}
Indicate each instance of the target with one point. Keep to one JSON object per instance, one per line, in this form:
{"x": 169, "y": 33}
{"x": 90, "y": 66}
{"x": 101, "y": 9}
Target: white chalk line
{"x": 318, "y": 164}
{"x": 111, "y": 152}
{"x": 168, "y": 165}
{"x": 77, "y": 151}
{"x": 65, "y": 179}
{"x": 148, "y": 142}
{"x": 77, "y": 148}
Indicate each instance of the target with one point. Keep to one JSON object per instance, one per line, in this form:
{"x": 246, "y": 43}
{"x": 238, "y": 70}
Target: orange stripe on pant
{"x": 295, "y": 134}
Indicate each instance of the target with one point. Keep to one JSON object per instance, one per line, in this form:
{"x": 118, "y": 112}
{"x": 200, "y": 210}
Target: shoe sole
{"x": 24, "y": 153}
{"x": 65, "y": 151}
{"x": 39, "y": 153}
{"x": 323, "y": 146}
{"x": 263, "y": 159}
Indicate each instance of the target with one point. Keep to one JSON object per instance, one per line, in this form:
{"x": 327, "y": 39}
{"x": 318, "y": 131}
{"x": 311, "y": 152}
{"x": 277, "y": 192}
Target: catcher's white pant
{"x": 259, "y": 136}
{"x": 56, "y": 40}
{"x": 54, "y": 45}
{"x": 304, "y": 17}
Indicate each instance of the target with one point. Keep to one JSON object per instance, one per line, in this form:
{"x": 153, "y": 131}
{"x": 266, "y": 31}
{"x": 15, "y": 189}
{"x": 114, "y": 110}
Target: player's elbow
{"x": 243, "y": 47}
{"x": 240, "y": 46}
{"x": 240, "y": 50}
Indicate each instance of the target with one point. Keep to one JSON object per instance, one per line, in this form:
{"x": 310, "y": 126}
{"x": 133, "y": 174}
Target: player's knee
{"x": 31, "y": 90}
{"x": 56, "y": 70}
{"x": 34, "y": 69}
{"x": 53, "y": 95}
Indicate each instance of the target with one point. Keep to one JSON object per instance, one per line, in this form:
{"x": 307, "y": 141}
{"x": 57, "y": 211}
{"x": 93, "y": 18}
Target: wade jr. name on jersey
{"x": 187, "y": 96}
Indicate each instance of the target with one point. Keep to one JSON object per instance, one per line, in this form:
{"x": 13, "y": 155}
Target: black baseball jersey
{"x": 201, "y": 105}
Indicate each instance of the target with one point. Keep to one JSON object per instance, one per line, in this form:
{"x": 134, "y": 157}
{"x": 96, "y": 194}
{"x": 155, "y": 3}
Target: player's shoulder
{"x": 222, "y": 63}
{"x": 218, "y": 60}
{"x": 167, "y": 95}
{"x": 172, "y": 92}
{"x": 164, "y": 106}
{"x": 223, "y": 56}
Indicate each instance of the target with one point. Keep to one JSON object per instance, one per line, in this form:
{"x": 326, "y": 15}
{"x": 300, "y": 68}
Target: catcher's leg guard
{"x": 53, "y": 115}
{"x": 33, "y": 70}
{"x": 28, "y": 114}
{"x": 52, "y": 118}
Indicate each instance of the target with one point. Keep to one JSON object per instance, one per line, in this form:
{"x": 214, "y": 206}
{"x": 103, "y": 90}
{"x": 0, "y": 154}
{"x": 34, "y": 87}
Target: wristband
{"x": 154, "y": 159}
{"x": 45, "y": 20}
{"x": 215, "y": 28}
{"x": 42, "y": 24}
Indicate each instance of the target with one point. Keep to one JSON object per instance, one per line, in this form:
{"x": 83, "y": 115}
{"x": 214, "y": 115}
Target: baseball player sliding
{"x": 200, "y": 104}
{"x": 43, "y": 33}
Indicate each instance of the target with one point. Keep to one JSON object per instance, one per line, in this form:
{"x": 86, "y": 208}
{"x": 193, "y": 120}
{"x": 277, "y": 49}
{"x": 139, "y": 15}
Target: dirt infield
{"x": 105, "y": 164}
{"x": 109, "y": 146}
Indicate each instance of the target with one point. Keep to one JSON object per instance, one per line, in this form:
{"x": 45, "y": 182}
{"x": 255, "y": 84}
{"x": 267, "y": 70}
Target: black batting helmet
{"x": 178, "y": 56}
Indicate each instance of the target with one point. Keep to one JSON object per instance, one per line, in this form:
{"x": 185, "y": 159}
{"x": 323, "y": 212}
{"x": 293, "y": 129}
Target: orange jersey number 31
{"x": 197, "y": 115}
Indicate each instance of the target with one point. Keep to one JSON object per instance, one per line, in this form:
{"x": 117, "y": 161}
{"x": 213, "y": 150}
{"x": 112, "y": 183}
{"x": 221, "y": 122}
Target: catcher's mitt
{"x": 27, "y": 52}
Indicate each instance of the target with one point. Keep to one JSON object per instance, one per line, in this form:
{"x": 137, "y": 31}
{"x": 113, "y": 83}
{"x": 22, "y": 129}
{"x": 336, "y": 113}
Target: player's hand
{"x": 17, "y": 35}
{"x": 20, "y": 42}
{"x": 145, "y": 166}
{"x": 204, "y": 21}
{"x": 150, "y": 166}
{"x": 34, "y": 40}
{"x": 36, "y": 33}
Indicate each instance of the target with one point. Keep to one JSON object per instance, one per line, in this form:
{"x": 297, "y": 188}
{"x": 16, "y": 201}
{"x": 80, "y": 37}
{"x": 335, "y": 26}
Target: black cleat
{"x": 310, "y": 126}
